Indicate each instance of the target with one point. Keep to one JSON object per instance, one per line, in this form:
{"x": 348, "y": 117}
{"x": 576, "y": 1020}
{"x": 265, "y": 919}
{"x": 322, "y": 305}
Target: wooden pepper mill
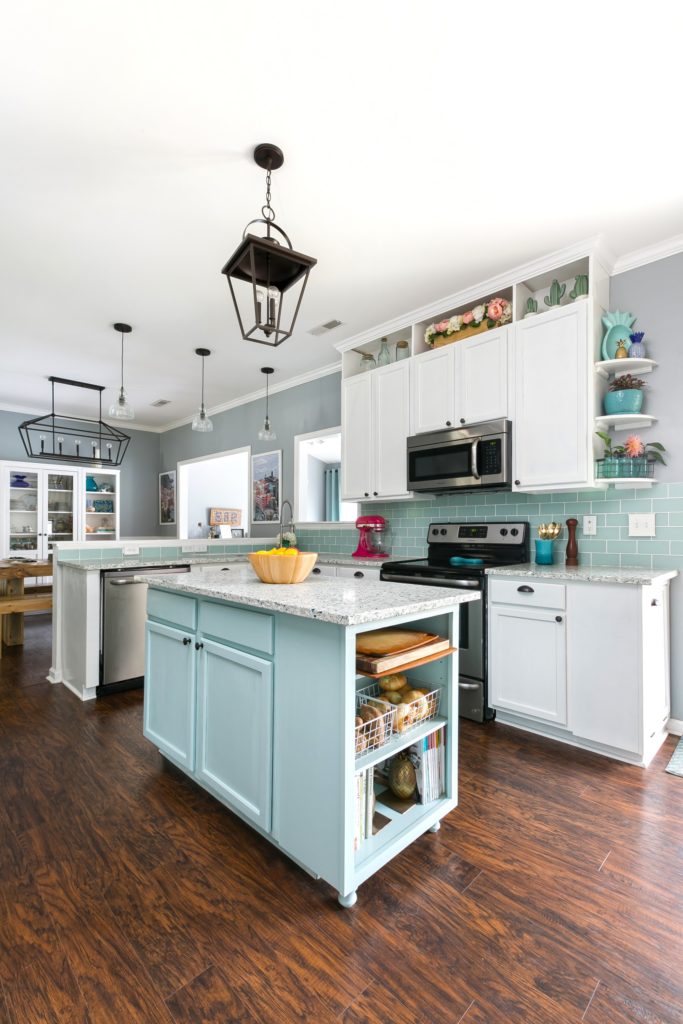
{"x": 572, "y": 557}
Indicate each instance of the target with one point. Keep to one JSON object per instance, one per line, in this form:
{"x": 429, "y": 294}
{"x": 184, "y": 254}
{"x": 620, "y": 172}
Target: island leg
{"x": 348, "y": 900}
{"x": 435, "y": 827}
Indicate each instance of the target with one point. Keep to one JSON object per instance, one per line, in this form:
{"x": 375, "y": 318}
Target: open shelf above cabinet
{"x": 616, "y": 367}
{"x": 625, "y": 421}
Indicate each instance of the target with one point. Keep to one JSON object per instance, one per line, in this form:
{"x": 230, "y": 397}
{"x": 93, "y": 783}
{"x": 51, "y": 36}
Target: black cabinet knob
{"x": 186, "y": 641}
{"x": 654, "y": 602}
{"x": 517, "y": 483}
{"x": 558, "y": 618}
{"x": 462, "y": 421}
{"x": 316, "y": 571}
{"x": 359, "y": 575}
{"x": 198, "y": 646}
{"x": 448, "y": 423}
{"x": 367, "y": 494}
{"x": 374, "y": 494}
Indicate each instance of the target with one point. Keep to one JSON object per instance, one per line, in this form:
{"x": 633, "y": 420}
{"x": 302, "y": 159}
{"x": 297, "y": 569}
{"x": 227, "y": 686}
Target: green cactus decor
{"x": 531, "y": 307}
{"x": 580, "y": 289}
{"x": 556, "y": 293}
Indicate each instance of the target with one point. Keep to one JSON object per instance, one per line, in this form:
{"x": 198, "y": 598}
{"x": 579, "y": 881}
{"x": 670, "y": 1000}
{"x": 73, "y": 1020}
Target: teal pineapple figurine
{"x": 580, "y": 289}
{"x": 556, "y": 293}
{"x": 531, "y": 307}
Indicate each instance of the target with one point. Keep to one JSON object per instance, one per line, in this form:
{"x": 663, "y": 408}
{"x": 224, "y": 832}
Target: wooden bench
{"x": 10, "y": 604}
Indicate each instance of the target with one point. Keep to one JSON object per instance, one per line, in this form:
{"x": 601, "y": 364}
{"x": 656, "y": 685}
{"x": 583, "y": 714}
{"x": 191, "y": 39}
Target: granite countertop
{"x": 344, "y": 602}
{"x": 588, "y": 573}
{"x": 133, "y": 562}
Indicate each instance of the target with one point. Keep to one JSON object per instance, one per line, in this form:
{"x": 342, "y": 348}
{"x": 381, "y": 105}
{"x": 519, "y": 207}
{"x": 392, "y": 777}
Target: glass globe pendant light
{"x": 121, "y": 409}
{"x": 266, "y": 433}
{"x": 200, "y": 421}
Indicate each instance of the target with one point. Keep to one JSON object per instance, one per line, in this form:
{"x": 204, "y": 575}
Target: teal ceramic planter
{"x": 627, "y": 401}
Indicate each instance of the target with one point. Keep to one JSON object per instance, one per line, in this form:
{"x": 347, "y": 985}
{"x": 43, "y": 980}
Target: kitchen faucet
{"x": 292, "y": 528}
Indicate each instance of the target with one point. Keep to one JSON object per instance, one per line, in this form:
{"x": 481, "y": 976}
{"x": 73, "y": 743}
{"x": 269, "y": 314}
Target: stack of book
{"x": 381, "y": 651}
{"x": 429, "y": 759}
{"x": 365, "y": 805}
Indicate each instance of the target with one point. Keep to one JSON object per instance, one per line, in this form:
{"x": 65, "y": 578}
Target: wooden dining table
{"x": 14, "y": 596}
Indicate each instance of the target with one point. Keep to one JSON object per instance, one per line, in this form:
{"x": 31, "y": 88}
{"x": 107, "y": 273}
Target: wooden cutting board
{"x": 380, "y": 642}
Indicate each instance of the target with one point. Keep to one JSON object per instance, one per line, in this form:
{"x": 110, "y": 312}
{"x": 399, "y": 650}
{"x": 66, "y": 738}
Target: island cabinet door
{"x": 235, "y": 729}
{"x": 170, "y": 692}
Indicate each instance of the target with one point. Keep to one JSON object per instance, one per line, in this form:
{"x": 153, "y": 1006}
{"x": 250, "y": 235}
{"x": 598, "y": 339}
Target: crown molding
{"x": 254, "y": 396}
{"x": 649, "y": 254}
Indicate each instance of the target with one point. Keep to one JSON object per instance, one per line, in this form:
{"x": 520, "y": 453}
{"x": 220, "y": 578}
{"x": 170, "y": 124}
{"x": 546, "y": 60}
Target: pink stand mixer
{"x": 369, "y": 528}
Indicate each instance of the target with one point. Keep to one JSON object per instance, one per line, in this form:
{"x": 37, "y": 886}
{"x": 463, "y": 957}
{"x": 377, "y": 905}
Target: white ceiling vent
{"x": 159, "y": 402}
{"x": 324, "y": 328}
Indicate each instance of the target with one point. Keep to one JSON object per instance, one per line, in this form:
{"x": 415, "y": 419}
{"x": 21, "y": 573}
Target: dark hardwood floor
{"x": 553, "y": 894}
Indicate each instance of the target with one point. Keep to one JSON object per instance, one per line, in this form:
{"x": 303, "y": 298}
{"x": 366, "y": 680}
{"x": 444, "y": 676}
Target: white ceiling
{"x": 426, "y": 145}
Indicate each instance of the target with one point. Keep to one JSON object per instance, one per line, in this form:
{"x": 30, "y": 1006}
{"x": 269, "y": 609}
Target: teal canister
{"x": 544, "y": 551}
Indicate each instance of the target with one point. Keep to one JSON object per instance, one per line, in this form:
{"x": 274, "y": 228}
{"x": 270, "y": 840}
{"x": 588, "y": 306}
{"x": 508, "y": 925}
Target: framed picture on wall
{"x": 266, "y": 470}
{"x": 167, "y": 498}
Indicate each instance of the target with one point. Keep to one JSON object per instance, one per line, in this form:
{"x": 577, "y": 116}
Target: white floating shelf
{"x": 620, "y": 482}
{"x": 617, "y": 367}
{"x": 624, "y": 420}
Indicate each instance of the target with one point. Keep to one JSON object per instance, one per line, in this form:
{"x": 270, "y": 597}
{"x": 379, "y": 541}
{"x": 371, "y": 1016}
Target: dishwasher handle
{"x": 126, "y": 583}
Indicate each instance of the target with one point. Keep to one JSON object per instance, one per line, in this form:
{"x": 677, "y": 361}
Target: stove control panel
{"x": 477, "y": 533}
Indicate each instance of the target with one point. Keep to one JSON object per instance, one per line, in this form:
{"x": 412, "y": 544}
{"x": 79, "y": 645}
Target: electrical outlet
{"x": 590, "y": 526}
{"x": 641, "y": 524}
{"x": 188, "y": 548}
{"x": 131, "y": 549}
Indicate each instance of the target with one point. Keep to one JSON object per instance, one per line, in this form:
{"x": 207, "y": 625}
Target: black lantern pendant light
{"x": 266, "y": 433}
{"x": 201, "y": 421}
{"x": 262, "y": 270}
{"x": 121, "y": 409}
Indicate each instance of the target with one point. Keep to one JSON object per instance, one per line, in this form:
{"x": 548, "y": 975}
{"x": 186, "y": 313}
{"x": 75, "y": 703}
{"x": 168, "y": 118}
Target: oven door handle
{"x": 431, "y": 581}
{"x": 474, "y": 455}
{"x": 469, "y": 686}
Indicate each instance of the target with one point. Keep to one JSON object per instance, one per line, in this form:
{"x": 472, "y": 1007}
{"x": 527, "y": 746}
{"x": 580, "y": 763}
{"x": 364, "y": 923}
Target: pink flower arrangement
{"x": 497, "y": 311}
{"x": 467, "y": 318}
{"x": 634, "y": 447}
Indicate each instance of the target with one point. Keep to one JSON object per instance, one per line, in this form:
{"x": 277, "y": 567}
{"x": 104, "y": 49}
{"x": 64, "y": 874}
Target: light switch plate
{"x": 131, "y": 549}
{"x": 188, "y": 548}
{"x": 590, "y": 526}
{"x": 641, "y": 524}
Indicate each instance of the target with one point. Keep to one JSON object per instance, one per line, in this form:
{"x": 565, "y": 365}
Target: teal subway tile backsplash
{"x": 406, "y": 536}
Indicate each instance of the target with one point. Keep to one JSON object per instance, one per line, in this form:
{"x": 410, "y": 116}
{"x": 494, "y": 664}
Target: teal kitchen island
{"x": 251, "y": 689}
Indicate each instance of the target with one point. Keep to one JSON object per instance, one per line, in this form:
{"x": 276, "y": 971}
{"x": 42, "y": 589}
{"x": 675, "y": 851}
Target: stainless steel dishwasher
{"x": 122, "y": 627}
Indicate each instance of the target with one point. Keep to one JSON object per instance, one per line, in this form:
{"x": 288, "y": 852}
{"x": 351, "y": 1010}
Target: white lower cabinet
{"x": 596, "y": 675}
{"x": 361, "y": 572}
{"x": 528, "y": 663}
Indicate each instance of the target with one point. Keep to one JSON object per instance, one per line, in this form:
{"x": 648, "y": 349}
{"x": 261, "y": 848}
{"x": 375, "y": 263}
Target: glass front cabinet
{"x": 42, "y": 505}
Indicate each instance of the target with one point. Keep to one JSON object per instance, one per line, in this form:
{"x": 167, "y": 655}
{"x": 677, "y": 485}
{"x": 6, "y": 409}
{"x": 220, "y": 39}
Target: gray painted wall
{"x": 139, "y": 480}
{"x": 299, "y": 410}
{"x": 219, "y": 483}
{"x": 653, "y": 295}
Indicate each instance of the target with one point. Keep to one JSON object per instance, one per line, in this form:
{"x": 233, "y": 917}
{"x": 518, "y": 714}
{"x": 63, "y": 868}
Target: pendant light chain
{"x": 121, "y": 360}
{"x": 203, "y": 361}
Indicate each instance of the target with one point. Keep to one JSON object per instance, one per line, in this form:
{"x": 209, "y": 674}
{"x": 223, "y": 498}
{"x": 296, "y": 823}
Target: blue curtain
{"x": 332, "y": 502}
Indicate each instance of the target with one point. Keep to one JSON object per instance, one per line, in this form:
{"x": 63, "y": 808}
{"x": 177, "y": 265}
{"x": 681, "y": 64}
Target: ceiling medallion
{"x": 261, "y": 270}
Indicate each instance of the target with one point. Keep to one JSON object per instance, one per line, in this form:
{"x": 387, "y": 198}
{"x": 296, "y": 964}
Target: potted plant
{"x": 634, "y": 458}
{"x": 624, "y": 395}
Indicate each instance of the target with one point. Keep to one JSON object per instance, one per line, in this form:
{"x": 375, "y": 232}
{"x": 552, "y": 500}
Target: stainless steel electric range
{"x": 458, "y": 555}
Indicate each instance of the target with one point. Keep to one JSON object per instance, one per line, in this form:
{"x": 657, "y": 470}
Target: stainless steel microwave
{"x": 473, "y": 457}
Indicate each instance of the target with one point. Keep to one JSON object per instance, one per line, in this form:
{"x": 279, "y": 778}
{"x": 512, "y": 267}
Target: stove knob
{"x": 444, "y": 532}
{"x": 503, "y": 532}
{"x": 514, "y": 531}
{"x": 435, "y": 533}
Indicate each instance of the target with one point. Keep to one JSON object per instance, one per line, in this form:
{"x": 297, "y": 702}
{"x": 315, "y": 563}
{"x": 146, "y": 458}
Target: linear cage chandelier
{"x": 72, "y": 438}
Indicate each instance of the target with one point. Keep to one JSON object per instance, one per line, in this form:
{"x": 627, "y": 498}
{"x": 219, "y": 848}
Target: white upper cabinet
{"x": 462, "y": 383}
{"x": 375, "y": 427}
{"x": 552, "y": 437}
{"x": 390, "y": 428}
{"x": 356, "y": 443}
{"x": 433, "y": 390}
{"x": 481, "y": 369}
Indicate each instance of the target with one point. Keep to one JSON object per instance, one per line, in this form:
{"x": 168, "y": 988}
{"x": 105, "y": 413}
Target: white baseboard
{"x": 675, "y": 726}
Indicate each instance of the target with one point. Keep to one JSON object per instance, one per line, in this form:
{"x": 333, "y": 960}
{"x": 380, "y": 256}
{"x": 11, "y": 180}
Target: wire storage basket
{"x": 373, "y": 723}
{"x": 422, "y": 705}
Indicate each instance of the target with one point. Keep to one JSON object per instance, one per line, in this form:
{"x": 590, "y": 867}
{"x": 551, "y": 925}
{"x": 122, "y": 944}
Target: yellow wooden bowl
{"x": 283, "y": 568}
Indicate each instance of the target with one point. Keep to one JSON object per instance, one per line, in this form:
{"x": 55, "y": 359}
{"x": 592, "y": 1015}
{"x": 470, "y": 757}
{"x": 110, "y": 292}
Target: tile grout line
{"x": 603, "y": 863}
{"x": 466, "y": 1012}
{"x": 597, "y": 985}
